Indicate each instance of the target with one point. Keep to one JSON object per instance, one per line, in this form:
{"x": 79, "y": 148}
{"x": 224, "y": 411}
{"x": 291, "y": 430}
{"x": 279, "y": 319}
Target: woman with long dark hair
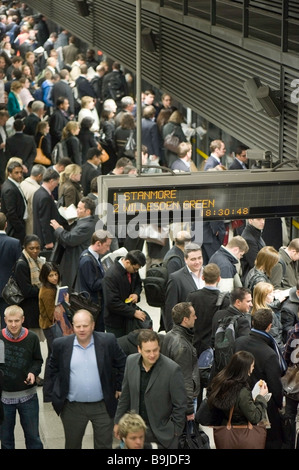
{"x": 230, "y": 388}
{"x": 49, "y": 313}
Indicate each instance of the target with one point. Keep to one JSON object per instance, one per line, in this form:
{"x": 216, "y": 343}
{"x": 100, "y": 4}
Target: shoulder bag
{"x": 193, "y": 437}
{"x": 136, "y": 324}
{"x": 247, "y": 436}
{"x": 130, "y": 147}
{"x": 171, "y": 142}
{"x": 40, "y": 156}
{"x": 12, "y": 293}
{"x": 82, "y": 301}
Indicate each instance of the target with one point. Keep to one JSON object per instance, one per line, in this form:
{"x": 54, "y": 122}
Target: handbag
{"x": 40, "y": 156}
{"x": 171, "y": 142}
{"x": 12, "y": 293}
{"x": 193, "y": 437}
{"x": 82, "y": 301}
{"x": 130, "y": 147}
{"x": 104, "y": 156}
{"x": 247, "y": 436}
{"x": 136, "y": 324}
{"x": 290, "y": 382}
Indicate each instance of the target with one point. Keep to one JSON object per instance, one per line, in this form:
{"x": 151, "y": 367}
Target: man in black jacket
{"x": 177, "y": 345}
{"x": 122, "y": 288}
{"x": 59, "y": 119}
{"x": 13, "y": 202}
{"x": 91, "y": 168}
{"x": 21, "y": 145}
{"x": 240, "y": 305}
{"x": 44, "y": 209}
{"x": 267, "y": 367}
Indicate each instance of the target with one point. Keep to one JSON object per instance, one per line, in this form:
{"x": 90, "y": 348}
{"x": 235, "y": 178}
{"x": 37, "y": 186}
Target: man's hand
{"x": 55, "y": 224}
{"x": 140, "y": 315}
{"x": 48, "y": 246}
{"x": 115, "y": 431}
{"x": 134, "y": 298}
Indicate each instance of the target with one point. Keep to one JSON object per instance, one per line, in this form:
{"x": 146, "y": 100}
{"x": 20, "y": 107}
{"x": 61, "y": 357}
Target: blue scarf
{"x": 282, "y": 362}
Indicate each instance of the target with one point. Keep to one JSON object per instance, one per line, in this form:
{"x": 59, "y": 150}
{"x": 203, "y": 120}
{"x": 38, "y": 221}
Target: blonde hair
{"x": 15, "y": 85}
{"x": 260, "y": 292}
{"x": 13, "y": 309}
{"x": 266, "y": 259}
{"x": 70, "y": 170}
{"x": 85, "y": 100}
{"x": 68, "y": 130}
{"x": 130, "y": 422}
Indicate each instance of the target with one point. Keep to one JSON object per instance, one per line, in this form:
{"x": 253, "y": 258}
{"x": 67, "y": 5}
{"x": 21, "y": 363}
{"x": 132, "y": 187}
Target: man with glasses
{"x": 240, "y": 161}
{"x": 122, "y": 288}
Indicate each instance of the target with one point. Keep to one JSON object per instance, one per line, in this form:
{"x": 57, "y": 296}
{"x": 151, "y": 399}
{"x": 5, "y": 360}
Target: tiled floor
{"x": 51, "y": 430}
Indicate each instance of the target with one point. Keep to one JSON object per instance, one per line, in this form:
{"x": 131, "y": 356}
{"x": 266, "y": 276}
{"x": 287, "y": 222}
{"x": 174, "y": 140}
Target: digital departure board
{"x": 210, "y": 195}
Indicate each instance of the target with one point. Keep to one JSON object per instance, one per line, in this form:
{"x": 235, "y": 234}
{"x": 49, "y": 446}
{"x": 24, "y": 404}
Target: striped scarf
{"x": 35, "y": 267}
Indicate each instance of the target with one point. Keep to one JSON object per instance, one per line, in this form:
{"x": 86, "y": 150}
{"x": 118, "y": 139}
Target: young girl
{"x": 49, "y": 314}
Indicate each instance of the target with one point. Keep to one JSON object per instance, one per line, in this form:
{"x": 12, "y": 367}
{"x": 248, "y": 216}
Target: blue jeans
{"x": 28, "y": 413}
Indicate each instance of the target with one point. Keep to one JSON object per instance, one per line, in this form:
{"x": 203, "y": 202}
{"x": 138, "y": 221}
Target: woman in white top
{"x": 88, "y": 110}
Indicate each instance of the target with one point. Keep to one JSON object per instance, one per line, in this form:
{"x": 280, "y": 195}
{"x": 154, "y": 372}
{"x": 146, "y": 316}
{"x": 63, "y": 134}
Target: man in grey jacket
{"x": 154, "y": 387}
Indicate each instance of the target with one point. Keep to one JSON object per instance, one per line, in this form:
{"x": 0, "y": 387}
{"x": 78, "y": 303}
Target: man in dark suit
{"x": 59, "y": 119}
{"x": 267, "y": 366}
{"x": 240, "y": 161}
{"x": 75, "y": 240}
{"x": 36, "y": 115}
{"x": 217, "y": 148}
{"x": 10, "y": 251}
{"x": 44, "y": 209}
{"x": 83, "y": 85}
{"x": 160, "y": 398}
{"x": 91, "y": 271}
{"x": 91, "y": 168}
{"x": 21, "y": 145}
{"x": 62, "y": 88}
{"x": 183, "y": 281}
{"x": 13, "y": 202}
{"x": 103, "y": 378}
{"x": 149, "y": 130}
{"x": 122, "y": 288}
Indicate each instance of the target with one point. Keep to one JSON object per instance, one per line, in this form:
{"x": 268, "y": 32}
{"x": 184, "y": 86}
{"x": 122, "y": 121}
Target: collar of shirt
{"x": 15, "y": 182}
{"x": 197, "y": 279}
{"x": 45, "y": 187}
{"x": 76, "y": 342}
{"x": 94, "y": 254}
{"x": 8, "y": 333}
{"x": 216, "y": 158}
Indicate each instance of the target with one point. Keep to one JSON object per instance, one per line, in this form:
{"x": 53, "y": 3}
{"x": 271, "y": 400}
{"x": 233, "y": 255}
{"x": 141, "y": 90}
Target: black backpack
{"x": 224, "y": 341}
{"x": 155, "y": 283}
{"x": 115, "y": 87}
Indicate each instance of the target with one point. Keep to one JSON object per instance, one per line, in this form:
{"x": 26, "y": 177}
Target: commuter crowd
{"x": 67, "y": 117}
